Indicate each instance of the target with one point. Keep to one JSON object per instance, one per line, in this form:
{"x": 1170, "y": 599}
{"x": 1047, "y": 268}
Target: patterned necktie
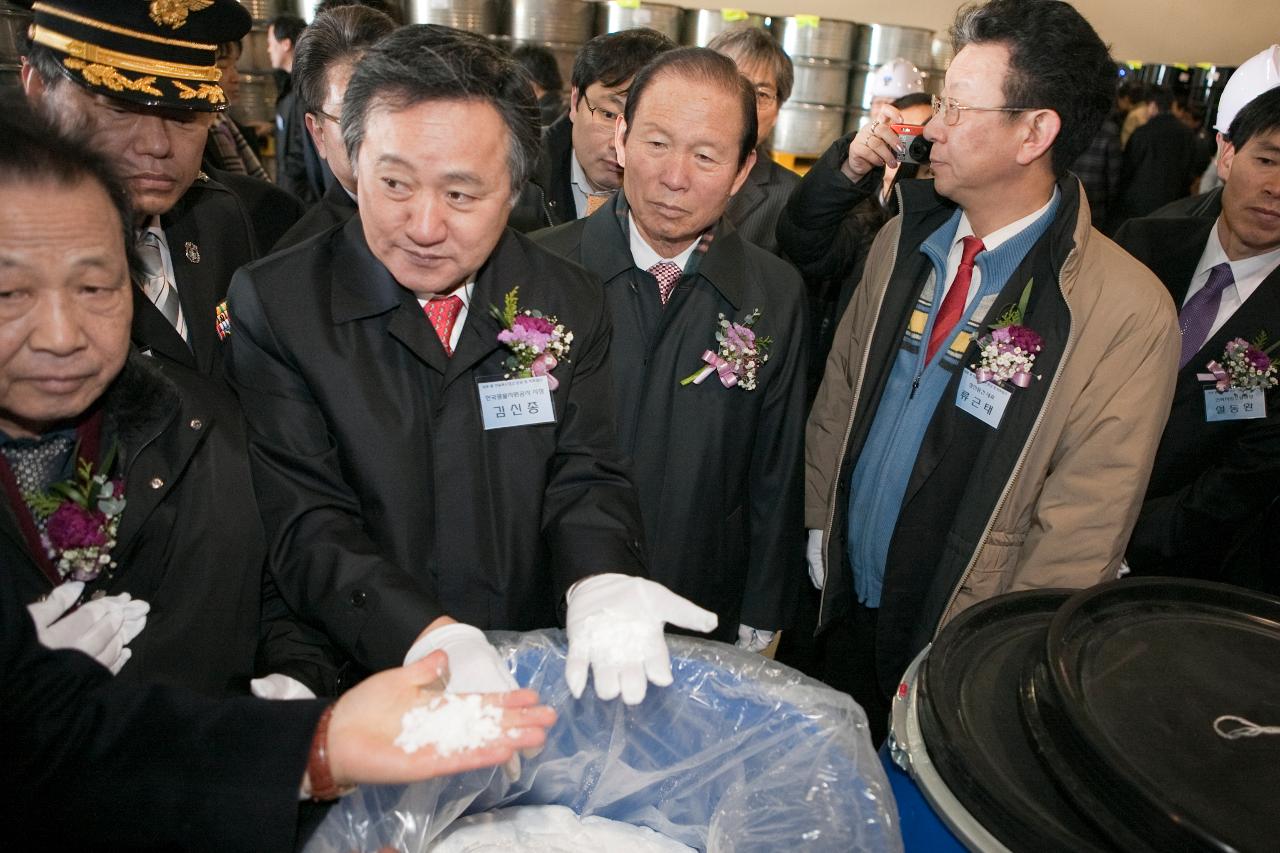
{"x": 597, "y": 201}
{"x": 1197, "y": 316}
{"x": 443, "y": 313}
{"x": 668, "y": 276}
{"x": 952, "y": 308}
{"x": 155, "y": 284}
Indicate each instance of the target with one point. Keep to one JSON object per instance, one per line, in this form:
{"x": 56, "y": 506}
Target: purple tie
{"x": 1197, "y": 316}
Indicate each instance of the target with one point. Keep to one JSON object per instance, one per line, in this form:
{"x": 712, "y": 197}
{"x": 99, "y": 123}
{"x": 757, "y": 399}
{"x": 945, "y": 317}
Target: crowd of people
{"x": 493, "y": 356}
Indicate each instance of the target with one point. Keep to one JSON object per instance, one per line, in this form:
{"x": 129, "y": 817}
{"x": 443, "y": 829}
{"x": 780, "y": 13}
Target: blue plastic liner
{"x": 738, "y": 754}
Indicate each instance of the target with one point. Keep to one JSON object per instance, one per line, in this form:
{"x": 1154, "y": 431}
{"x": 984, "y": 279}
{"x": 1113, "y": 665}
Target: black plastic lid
{"x": 972, "y": 724}
{"x": 1156, "y": 681}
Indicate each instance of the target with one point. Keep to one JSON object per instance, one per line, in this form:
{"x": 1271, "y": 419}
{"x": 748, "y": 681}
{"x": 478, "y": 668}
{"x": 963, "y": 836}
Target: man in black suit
{"x": 716, "y": 460}
{"x": 327, "y": 55}
{"x": 577, "y": 169}
{"x": 192, "y": 232}
{"x": 413, "y": 470}
{"x": 754, "y": 209}
{"x": 1209, "y": 510}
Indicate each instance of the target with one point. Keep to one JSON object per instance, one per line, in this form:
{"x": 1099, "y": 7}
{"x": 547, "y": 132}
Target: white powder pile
{"x": 450, "y": 723}
{"x": 549, "y": 829}
{"x": 614, "y": 640}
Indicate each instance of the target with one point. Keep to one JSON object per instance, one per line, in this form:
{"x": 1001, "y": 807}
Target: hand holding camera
{"x": 884, "y": 143}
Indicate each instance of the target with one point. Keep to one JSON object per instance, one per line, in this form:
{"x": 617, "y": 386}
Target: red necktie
{"x": 952, "y": 308}
{"x": 443, "y": 313}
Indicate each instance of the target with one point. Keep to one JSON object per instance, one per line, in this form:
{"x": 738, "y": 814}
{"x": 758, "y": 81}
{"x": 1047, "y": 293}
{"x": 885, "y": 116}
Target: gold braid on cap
{"x": 93, "y": 54}
{"x": 212, "y": 94}
{"x": 173, "y": 13}
{"x": 105, "y": 75}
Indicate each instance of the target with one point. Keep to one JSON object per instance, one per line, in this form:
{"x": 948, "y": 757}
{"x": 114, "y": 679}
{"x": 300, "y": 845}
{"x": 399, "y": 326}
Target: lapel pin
{"x": 193, "y": 252}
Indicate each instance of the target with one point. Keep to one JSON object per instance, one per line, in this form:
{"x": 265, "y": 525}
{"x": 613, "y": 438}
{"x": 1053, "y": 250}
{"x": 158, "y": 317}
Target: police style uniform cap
{"x": 159, "y": 53}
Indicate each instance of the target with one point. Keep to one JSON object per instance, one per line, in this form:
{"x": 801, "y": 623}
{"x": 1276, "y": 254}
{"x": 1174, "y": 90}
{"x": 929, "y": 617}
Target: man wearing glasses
{"x": 944, "y": 466}
{"x": 578, "y": 169}
{"x": 326, "y": 56}
{"x": 755, "y": 208}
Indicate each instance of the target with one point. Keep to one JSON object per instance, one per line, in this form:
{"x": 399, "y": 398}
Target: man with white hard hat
{"x": 894, "y": 79}
{"x": 1258, "y": 74}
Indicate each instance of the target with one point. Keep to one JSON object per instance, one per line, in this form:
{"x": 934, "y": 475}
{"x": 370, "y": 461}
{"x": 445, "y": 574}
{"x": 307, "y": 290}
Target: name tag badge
{"x": 516, "y": 402}
{"x": 1234, "y": 405}
{"x": 984, "y": 400}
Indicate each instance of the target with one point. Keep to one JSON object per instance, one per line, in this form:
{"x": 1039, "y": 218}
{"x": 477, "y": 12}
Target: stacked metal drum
{"x": 14, "y": 21}
{"x": 821, "y": 50}
{"x": 561, "y": 26}
{"x": 618, "y": 15}
{"x": 257, "y": 99}
{"x": 878, "y": 44}
{"x": 477, "y": 16}
{"x": 702, "y": 25}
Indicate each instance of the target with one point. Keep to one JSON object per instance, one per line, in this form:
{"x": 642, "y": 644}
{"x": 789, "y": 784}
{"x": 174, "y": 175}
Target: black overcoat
{"x": 718, "y": 469}
{"x": 386, "y": 502}
{"x": 1209, "y": 510}
{"x": 190, "y": 539}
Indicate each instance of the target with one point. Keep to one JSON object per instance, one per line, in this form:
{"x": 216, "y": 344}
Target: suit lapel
{"x": 362, "y": 288}
{"x": 151, "y": 331}
{"x": 1181, "y": 245}
{"x": 195, "y": 291}
{"x": 479, "y": 335}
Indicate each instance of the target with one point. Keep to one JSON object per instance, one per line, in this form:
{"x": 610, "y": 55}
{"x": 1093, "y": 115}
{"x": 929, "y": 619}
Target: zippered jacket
{"x": 1047, "y": 498}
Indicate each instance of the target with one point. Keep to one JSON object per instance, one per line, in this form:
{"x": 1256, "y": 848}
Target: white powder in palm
{"x": 450, "y": 723}
{"x": 615, "y": 640}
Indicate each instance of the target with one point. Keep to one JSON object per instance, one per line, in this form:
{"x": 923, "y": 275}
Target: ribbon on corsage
{"x": 738, "y": 360}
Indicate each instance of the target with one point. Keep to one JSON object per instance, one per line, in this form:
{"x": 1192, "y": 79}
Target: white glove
{"x": 754, "y": 640}
{"x": 474, "y": 665}
{"x": 277, "y": 685}
{"x": 615, "y": 627}
{"x": 102, "y": 628}
{"x": 813, "y": 556}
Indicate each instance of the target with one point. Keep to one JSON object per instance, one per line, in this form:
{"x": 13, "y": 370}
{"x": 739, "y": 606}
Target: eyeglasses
{"x": 764, "y": 97}
{"x": 333, "y": 119}
{"x": 951, "y": 109}
{"x": 601, "y": 116}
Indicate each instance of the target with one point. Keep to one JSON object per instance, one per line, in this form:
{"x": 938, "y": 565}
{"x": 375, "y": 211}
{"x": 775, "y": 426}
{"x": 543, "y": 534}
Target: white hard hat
{"x": 1259, "y": 73}
{"x": 896, "y": 78}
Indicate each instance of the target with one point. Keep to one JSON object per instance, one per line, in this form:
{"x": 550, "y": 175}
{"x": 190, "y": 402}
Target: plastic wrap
{"x": 738, "y": 754}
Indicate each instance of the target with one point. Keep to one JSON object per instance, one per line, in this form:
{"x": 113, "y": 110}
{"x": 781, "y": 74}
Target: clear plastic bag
{"x": 738, "y": 754}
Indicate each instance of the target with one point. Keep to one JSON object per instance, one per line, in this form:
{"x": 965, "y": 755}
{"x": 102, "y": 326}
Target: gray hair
{"x": 428, "y": 62}
{"x": 753, "y": 46}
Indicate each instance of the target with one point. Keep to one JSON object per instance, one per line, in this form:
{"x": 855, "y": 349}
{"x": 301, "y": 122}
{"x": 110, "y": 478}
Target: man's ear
{"x": 316, "y": 129}
{"x": 573, "y": 102}
{"x": 1225, "y": 159}
{"x": 1041, "y": 129}
{"x": 620, "y": 141}
{"x": 33, "y": 85}
{"x": 747, "y": 166}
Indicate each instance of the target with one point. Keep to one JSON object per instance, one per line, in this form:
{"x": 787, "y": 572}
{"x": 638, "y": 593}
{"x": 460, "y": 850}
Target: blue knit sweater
{"x": 911, "y": 396}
